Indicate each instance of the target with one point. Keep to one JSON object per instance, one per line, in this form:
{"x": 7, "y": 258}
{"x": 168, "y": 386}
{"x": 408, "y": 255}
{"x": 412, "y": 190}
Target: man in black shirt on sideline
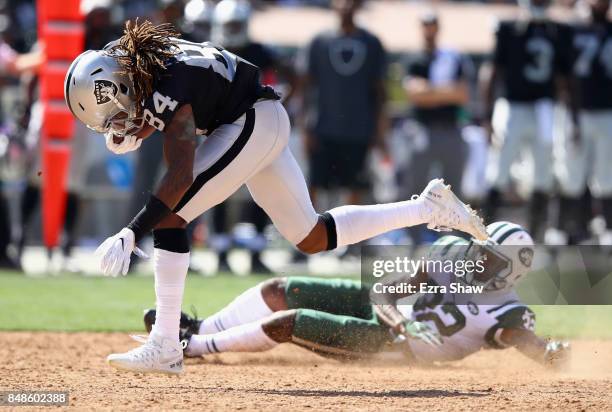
{"x": 437, "y": 87}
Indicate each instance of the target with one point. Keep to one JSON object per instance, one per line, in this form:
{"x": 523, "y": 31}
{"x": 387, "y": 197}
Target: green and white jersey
{"x": 467, "y": 327}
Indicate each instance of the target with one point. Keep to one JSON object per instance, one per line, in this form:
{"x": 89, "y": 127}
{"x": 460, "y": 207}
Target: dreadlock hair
{"x": 141, "y": 53}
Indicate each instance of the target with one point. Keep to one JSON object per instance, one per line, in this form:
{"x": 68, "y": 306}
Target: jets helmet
{"x": 100, "y": 96}
{"x": 508, "y": 255}
{"x": 198, "y": 19}
{"x": 231, "y": 23}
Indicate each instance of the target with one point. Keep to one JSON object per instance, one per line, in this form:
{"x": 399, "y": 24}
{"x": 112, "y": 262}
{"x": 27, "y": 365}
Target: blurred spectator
{"x": 437, "y": 87}
{"x": 11, "y": 64}
{"x": 198, "y": 15}
{"x": 344, "y": 93}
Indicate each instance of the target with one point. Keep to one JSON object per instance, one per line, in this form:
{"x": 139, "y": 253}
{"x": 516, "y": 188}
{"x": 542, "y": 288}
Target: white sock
{"x": 357, "y": 223}
{"x": 170, "y": 273}
{"x": 247, "y": 307}
{"x": 249, "y": 337}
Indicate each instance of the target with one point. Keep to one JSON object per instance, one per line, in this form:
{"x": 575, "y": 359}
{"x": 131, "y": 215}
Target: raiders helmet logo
{"x": 104, "y": 90}
{"x": 526, "y": 256}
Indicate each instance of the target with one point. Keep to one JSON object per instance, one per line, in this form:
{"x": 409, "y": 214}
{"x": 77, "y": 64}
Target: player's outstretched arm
{"x": 553, "y": 354}
{"x": 179, "y": 152}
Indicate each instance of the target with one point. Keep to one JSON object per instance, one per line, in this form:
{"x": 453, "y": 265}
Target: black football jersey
{"x": 530, "y": 54}
{"x": 591, "y": 58}
{"x": 219, "y": 86}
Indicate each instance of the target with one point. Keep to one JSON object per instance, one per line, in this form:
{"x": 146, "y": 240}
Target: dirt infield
{"x": 291, "y": 378}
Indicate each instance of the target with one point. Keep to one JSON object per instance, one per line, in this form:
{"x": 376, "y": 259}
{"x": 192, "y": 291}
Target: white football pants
{"x": 253, "y": 151}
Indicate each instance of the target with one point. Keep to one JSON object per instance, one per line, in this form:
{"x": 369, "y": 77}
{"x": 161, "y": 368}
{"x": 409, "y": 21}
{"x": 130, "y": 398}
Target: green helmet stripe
{"x": 508, "y": 233}
{"x": 497, "y": 229}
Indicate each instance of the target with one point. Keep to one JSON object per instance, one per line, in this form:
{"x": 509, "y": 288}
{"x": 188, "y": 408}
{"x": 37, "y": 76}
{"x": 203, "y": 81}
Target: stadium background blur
{"x": 105, "y": 189}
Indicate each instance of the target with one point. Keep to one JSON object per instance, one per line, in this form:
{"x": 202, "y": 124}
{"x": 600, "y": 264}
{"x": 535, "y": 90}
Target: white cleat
{"x": 448, "y": 213}
{"x": 158, "y": 354}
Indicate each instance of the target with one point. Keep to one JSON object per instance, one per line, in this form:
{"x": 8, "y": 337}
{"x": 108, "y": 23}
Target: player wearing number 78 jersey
{"x": 589, "y": 161}
{"x": 150, "y": 79}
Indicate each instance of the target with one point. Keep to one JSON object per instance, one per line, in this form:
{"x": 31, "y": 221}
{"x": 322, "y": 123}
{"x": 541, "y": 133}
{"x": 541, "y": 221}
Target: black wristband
{"x": 151, "y": 214}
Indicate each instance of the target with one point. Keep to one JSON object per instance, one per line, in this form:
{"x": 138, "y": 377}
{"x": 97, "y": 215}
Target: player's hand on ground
{"x": 421, "y": 331}
{"x": 123, "y": 145}
{"x": 557, "y": 355}
{"x": 114, "y": 253}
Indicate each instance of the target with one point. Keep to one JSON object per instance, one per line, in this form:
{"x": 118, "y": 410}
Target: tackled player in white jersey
{"x": 332, "y": 317}
{"x": 149, "y": 79}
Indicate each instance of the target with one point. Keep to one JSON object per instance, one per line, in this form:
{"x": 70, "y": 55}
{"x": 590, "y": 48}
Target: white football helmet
{"x": 198, "y": 19}
{"x": 231, "y": 23}
{"x": 508, "y": 254}
{"x": 99, "y": 96}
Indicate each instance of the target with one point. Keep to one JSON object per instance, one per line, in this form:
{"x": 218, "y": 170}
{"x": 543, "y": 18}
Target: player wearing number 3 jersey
{"x": 149, "y": 79}
{"x": 528, "y": 60}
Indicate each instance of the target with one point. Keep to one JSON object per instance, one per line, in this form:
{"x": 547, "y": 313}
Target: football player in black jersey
{"x": 150, "y": 79}
{"x": 528, "y": 61}
{"x": 589, "y": 161}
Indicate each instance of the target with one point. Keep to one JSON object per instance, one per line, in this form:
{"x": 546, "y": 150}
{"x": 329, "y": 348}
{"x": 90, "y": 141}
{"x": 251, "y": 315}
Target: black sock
{"x": 606, "y": 208}
{"x": 5, "y": 225}
{"x": 491, "y": 204}
{"x": 28, "y": 204}
{"x": 70, "y": 222}
{"x": 538, "y": 214}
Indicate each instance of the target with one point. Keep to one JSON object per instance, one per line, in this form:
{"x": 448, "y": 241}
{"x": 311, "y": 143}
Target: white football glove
{"x": 114, "y": 253}
{"x": 128, "y": 144}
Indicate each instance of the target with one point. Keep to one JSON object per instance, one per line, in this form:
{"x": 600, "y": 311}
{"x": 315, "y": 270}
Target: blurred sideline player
{"x": 149, "y": 80}
{"x": 198, "y": 16}
{"x": 528, "y": 60}
{"x": 436, "y": 85}
{"x": 12, "y": 64}
{"x": 230, "y": 29}
{"x": 587, "y": 161}
{"x": 330, "y": 316}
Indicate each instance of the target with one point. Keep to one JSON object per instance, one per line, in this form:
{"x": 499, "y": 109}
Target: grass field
{"x": 75, "y": 303}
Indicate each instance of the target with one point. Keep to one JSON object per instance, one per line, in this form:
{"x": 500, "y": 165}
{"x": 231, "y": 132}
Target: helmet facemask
{"x": 123, "y": 121}
{"x": 497, "y": 265}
